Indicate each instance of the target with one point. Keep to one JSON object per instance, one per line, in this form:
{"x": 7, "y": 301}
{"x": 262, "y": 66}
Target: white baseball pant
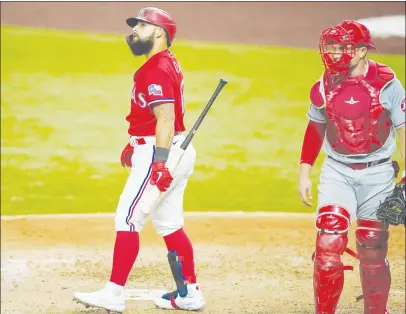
{"x": 168, "y": 214}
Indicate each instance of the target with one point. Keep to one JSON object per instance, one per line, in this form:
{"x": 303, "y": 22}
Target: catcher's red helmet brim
{"x": 371, "y": 46}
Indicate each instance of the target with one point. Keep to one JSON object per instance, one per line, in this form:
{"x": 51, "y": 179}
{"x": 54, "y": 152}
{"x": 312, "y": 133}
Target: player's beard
{"x": 141, "y": 46}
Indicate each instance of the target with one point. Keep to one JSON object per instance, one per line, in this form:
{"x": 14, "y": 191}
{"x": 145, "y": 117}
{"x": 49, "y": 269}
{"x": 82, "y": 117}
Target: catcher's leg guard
{"x": 372, "y": 246}
{"x": 332, "y": 224}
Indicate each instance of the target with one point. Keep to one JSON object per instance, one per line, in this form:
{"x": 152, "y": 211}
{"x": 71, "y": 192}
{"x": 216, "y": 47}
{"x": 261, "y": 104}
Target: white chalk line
{"x": 143, "y": 294}
{"x": 220, "y": 214}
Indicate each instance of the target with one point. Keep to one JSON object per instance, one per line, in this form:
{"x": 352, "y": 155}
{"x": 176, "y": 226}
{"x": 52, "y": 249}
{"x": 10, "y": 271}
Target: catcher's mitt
{"x": 392, "y": 210}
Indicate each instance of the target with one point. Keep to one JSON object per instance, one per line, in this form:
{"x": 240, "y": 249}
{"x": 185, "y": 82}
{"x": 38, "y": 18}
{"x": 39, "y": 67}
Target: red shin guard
{"x": 180, "y": 243}
{"x": 328, "y": 276}
{"x": 372, "y": 246}
{"x": 125, "y": 253}
{"x": 331, "y": 242}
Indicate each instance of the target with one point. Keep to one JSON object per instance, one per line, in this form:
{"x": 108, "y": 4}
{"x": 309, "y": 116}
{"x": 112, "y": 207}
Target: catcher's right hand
{"x": 392, "y": 211}
{"x": 396, "y": 168}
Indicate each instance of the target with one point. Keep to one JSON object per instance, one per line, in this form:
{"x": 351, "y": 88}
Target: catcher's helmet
{"x": 350, "y": 35}
{"x": 358, "y": 33}
{"x": 157, "y": 17}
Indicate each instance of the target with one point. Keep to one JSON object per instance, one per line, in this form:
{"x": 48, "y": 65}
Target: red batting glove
{"x": 126, "y": 155}
{"x": 160, "y": 176}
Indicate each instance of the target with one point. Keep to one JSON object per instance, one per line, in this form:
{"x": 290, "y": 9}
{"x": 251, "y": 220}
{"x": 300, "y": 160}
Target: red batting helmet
{"x": 349, "y": 34}
{"x": 157, "y": 17}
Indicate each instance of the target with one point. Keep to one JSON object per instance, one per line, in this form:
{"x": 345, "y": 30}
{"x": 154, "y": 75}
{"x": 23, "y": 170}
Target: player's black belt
{"x": 362, "y": 165}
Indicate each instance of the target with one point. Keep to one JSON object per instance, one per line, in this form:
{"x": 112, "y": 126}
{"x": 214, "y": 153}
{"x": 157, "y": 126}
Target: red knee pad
{"x": 333, "y": 219}
{"x": 332, "y": 223}
{"x": 372, "y": 240}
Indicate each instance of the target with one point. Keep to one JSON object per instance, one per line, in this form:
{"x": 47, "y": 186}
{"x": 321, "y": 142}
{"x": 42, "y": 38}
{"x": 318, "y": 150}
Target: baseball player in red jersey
{"x": 357, "y": 107}
{"x": 156, "y": 126}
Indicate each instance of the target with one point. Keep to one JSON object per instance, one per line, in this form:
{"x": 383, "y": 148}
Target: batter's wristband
{"x": 161, "y": 154}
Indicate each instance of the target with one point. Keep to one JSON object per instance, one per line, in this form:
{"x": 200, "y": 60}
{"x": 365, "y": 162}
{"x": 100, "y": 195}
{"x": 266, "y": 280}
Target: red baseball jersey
{"x": 157, "y": 81}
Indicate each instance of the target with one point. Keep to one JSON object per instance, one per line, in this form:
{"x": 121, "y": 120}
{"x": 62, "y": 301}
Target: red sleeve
{"x": 312, "y": 142}
{"x": 158, "y": 88}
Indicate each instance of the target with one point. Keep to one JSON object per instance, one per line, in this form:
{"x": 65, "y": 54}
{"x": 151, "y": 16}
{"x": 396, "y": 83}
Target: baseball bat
{"x": 175, "y": 156}
{"x": 206, "y": 109}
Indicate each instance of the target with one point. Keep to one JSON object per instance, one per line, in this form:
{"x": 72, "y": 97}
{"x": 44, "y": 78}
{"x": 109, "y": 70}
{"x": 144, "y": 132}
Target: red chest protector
{"x": 356, "y": 121}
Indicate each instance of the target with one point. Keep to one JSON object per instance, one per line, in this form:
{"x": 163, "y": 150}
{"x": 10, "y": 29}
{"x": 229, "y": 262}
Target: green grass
{"x": 65, "y": 95}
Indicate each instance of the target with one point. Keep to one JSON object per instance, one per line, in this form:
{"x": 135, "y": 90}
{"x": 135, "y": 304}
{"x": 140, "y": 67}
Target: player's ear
{"x": 363, "y": 52}
{"x": 159, "y": 32}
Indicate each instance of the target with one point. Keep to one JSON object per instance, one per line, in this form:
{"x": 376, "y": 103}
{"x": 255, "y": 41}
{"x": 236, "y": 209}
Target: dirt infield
{"x": 245, "y": 265}
{"x": 251, "y": 265}
{"x": 295, "y": 24}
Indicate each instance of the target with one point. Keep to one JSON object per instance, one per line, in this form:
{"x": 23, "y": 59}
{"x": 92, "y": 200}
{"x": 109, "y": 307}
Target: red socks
{"x": 125, "y": 253}
{"x": 180, "y": 243}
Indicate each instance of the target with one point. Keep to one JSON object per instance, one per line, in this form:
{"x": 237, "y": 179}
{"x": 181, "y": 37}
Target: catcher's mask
{"x": 338, "y": 45}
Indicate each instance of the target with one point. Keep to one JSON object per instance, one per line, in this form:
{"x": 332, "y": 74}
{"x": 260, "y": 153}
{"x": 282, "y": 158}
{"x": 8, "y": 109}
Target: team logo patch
{"x": 351, "y": 101}
{"x": 402, "y": 105}
{"x": 155, "y": 90}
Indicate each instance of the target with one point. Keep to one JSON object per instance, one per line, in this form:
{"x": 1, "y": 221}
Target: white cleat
{"x": 193, "y": 301}
{"x": 110, "y": 298}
